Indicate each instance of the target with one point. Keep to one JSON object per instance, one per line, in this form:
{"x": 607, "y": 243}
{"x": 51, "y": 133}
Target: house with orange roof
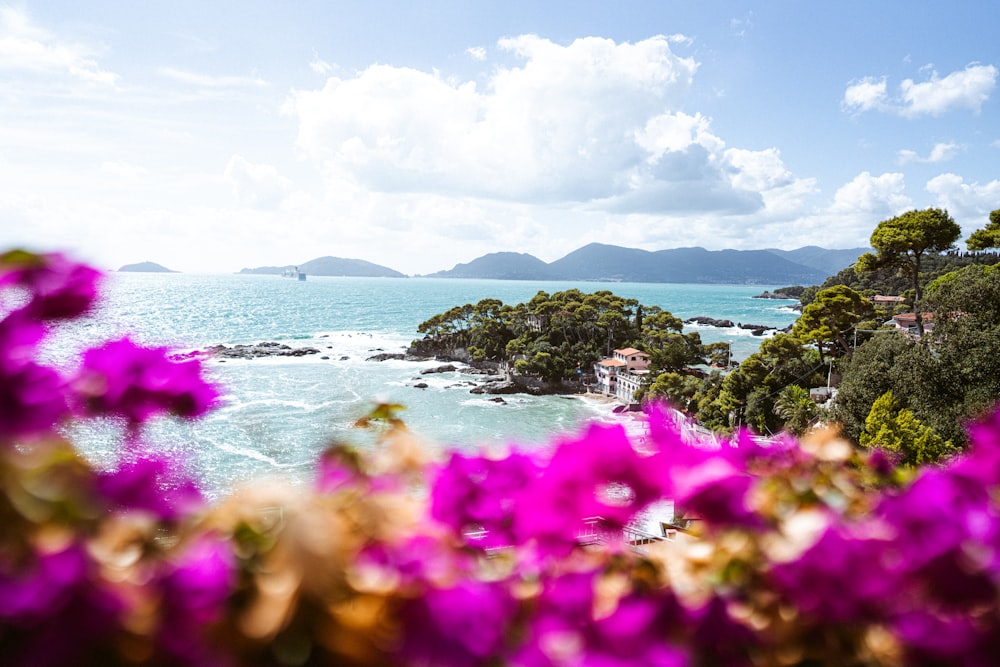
{"x": 886, "y": 300}
{"x": 621, "y": 374}
{"x": 907, "y": 322}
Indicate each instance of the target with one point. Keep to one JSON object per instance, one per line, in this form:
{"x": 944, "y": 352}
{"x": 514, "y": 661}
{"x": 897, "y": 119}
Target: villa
{"x": 620, "y": 375}
{"x": 907, "y": 322}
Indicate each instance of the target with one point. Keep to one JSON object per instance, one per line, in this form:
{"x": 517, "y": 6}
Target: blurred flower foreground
{"x": 786, "y": 553}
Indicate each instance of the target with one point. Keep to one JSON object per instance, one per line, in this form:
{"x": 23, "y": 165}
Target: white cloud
{"x": 256, "y": 185}
{"x": 676, "y": 132}
{"x": 882, "y": 196}
{"x": 27, "y": 47}
{"x": 941, "y": 152}
{"x": 963, "y": 89}
{"x": 593, "y": 122}
{"x": 867, "y": 94}
{"x": 965, "y": 201}
{"x": 758, "y": 170}
{"x": 209, "y": 81}
{"x": 476, "y": 53}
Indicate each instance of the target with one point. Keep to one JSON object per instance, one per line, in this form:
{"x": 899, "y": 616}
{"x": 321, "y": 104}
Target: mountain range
{"x": 809, "y": 265}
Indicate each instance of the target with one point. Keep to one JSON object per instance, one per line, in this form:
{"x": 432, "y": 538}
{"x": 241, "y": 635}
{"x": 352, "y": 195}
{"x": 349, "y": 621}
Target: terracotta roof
{"x": 630, "y": 351}
{"x": 611, "y": 362}
{"x": 910, "y": 317}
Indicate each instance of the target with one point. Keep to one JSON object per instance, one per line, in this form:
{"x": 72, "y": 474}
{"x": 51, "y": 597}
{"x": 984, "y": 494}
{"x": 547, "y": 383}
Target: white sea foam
{"x": 246, "y": 452}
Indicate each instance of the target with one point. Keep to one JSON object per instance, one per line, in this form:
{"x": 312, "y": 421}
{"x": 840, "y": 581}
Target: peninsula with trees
{"x": 899, "y": 350}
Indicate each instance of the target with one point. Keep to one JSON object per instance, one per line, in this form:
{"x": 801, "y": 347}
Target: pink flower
{"x": 32, "y": 401}
{"x": 815, "y": 582}
{"x": 195, "y": 589}
{"x": 475, "y": 493}
{"x": 60, "y": 288}
{"x": 597, "y": 475}
{"x": 54, "y": 610}
{"x": 151, "y": 483}
{"x": 32, "y": 396}
{"x": 710, "y": 484}
{"x": 460, "y": 626}
{"x": 565, "y": 630}
{"x": 137, "y": 383}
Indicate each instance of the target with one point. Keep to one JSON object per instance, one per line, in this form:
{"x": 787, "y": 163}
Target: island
{"x": 145, "y": 267}
{"x": 330, "y": 266}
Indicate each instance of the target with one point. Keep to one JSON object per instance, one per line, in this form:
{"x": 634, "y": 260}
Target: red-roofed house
{"x": 621, "y": 374}
{"x": 883, "y": 300}
{"x": 907, "y": 322}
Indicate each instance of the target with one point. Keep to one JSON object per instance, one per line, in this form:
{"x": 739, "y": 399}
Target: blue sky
{"x": 212, "y": 136}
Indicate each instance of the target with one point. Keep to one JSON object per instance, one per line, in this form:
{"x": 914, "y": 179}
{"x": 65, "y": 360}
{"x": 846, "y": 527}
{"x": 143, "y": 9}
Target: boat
{"x": 293, "y": 273}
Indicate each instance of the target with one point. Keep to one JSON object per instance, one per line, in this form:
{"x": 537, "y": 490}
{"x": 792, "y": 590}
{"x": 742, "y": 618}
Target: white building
{"x": 628, "y": 382}
{"x": 621, "y": 374}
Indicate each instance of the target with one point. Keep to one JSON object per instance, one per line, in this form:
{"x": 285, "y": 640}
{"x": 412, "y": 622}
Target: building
{"x": 621, "y": 374}
{"x": 606, "y": 373}
{"x": 628, "y": 382}
{"x": 907, "y": 322}
{"x": 634, "y": 359}
{"x": 889, "y": 301}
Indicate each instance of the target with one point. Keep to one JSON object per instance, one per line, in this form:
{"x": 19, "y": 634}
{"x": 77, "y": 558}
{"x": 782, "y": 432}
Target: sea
{"x": 277, "y": 414}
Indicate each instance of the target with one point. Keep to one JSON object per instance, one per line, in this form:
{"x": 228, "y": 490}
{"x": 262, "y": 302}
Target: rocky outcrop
{"x": 498, "y": 387}
{"x": 755, "y": 329}
{"x": 386, "y": 356}
{"x": 709, "y": 322}
{"x": 776, "y": 295}
{"x": 266, "y": 349}
{"x": 439, "y": 348}
{"x": 447, "y": 368}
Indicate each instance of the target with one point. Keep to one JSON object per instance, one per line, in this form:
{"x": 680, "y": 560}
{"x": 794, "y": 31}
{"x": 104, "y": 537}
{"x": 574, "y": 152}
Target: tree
{"x": 966, "y": 341}
{"x": 988, "y": 236}
{"x": 678, "y": 389}
{"x": 903, "y": 241}
{"x": 669, "y": 348}
{"x": 896, "y": 429}
{"x": 719, "y": 354}
{"x": 834, "y": 312}
{"x": 873, "y": 369}
{"x": 796, "y": 408}
{"x": 747, "y": 394}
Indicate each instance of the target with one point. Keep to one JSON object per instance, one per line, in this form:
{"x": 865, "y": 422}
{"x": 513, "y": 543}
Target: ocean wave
{"x": 246, "y": 452}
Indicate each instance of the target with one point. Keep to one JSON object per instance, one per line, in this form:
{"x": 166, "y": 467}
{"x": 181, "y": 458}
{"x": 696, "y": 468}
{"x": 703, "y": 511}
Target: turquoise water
{"x": 279, "y": 413}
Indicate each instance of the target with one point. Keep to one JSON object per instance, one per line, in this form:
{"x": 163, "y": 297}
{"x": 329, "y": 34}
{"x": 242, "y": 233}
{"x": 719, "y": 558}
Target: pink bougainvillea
{"x": 779, "y": 553}
{"x": 135, "y": 382}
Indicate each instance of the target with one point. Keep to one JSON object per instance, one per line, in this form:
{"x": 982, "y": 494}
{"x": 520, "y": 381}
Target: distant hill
{"x": 830, "y": 261}
{"x": 500, "y": 266}
{"x": 145, "y": 267}
{"x": 601, "y": 262}
{"x": 333, "y": 266}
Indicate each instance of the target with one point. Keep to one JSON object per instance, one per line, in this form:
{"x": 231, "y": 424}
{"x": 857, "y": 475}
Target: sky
{"x": 213, "y": 136}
